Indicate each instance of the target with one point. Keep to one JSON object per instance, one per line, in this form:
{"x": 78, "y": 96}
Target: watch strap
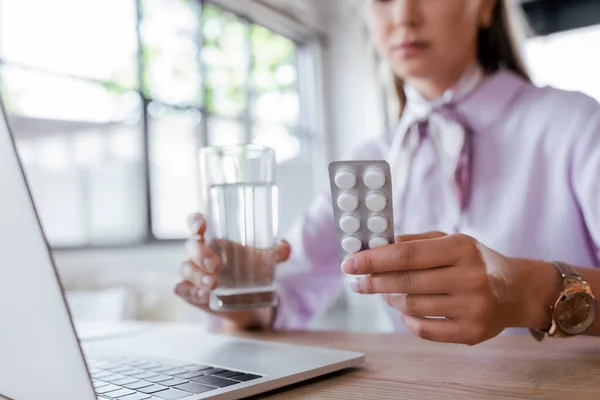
{"x": 566, "y": 270}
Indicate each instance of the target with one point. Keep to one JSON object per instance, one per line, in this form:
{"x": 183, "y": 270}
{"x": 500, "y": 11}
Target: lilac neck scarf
{"x": 431, "y": 153}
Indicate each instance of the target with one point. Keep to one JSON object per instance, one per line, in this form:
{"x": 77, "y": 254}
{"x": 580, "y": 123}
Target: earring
{"x": 487, "y": 23}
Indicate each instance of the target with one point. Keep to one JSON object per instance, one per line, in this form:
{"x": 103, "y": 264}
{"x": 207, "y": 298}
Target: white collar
{"x": 418, "y": 107}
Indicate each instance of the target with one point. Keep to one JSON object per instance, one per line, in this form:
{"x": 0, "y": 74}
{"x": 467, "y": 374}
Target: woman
{"x": 484, "y": 160}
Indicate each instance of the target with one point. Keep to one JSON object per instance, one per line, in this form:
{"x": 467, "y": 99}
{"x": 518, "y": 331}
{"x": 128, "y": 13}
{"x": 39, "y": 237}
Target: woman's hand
{"x": 475, "y": 292}
{"x": 199, "y": 274}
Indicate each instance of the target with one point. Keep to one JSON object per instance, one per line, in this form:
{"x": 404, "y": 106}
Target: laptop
{"x": 41, "y": 356}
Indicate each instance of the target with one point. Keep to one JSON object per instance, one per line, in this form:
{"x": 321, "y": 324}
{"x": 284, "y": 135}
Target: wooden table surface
{"x": 401, "y": 366}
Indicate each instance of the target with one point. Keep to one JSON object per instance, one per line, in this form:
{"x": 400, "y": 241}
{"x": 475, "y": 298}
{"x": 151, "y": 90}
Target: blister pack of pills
{"x": 361, "y": 193}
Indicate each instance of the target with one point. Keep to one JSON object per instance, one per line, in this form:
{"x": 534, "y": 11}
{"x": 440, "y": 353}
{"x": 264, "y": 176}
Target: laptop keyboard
{"x": 137, "y": 378}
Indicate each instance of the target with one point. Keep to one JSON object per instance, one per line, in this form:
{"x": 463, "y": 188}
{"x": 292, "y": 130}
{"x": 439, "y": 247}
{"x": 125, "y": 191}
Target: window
{"x": 567, "y": 60}
{"x": 110, "y": 102}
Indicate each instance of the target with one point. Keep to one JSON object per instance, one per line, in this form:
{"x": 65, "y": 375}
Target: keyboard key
{"x": 245, "y": 377}
{"x": 189, "y": 375}
{"x": 98, "y": 384}
{"x": 125, "y": 381}
{"x": 118, "y": 393}
{"x": 195, "y": 388}
{"x": 174, "y": 382}
{"x": 137, "y": 396}
{"x": 101, "y": 374}
{"x": 147, "y": 365}
{"x": 145, "y": 375}
{"x": 214, "y": 381}
{"x": 175, "y": 371}
{"x": 197, "y": 367}
{"x": 136, "y": 363}
{"x": 137, "y": 385}
{"x": 152, "y": 389}
{"x": 113, "y": 378}
{"x": 161, "y": 368}
{"x": 111, "y": 365}
{"x": 172, "y": 394}
{"x": 119, "y": 369}
{"x": 159, "y": 378}
{"x": 133, "y": 371}
{"x": 228, "y": 374}
{"x": 107, "y": 388}
{"x": 213, "y": 371}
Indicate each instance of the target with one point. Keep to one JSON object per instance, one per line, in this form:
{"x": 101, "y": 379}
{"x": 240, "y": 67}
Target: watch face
{"x": 576, "y": 313}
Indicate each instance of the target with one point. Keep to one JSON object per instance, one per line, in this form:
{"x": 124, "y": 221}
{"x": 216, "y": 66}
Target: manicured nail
{"x": 201, "y": 293}
{"x": 187, "y": 271}
{"x": 356, "y": 285}
{"x": 210, "y": 265}
{"x": 387, "y": 298}
{"x": 196, "y": 224}
{"x": 179, "y": 290}
{"x": 193, "y": 250}
{"x": 350, "y": 266}
{"x": 208, "y": 281}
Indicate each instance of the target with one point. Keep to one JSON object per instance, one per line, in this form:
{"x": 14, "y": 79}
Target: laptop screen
{"x": 37, "y": 339}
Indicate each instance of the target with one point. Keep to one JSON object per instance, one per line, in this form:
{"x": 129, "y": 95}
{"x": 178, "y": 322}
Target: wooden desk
{"x": 401, "y": 366}
{"x": 404, "y": 367}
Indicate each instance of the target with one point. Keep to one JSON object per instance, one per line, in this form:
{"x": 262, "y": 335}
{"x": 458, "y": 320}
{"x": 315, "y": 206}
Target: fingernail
{"x": 179, "y": 290}
{"x": 350, "y": 266}
{"x": 187, "y": 271}
{"x": 356, "y": 285}
{"x": 193, "y": 250}
{"x": 196, "y": 224}
{"x": 201, "y": 293}
{"x": 208, "y": 281}
{"x": 210, "y": 265}
{"x": 387, "y": 298}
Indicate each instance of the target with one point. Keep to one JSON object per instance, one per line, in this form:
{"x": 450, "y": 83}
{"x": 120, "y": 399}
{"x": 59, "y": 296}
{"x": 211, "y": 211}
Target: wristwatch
{"x": 575, "y": 309}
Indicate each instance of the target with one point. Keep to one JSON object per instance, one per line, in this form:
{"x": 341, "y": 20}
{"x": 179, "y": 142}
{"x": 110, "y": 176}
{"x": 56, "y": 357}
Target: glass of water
{"x": 240, "y": 196}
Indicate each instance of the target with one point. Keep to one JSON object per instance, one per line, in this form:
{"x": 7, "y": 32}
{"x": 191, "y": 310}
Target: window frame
{"x": 310, "y": 125}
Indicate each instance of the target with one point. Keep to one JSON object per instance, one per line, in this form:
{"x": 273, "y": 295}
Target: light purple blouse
{"x": 535, "y": 192}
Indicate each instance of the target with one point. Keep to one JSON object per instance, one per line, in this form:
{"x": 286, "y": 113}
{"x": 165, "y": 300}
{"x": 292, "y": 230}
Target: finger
{"x": 427, "y": 281}
{"x": 283, "y": 251}
{"x": 420, "y": 254}
{"x": 434, "y": 329}
{"x": 193, "y": 295}
{"x": 202, "y": 256}
{"x": 198, "y": 277}
{"x": 197, "y": 224}
{"x": 424, "y": 305}
{"x": 421, "y": 236}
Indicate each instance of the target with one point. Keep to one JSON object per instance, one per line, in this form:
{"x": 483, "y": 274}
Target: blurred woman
{"x": 495, "y": 180}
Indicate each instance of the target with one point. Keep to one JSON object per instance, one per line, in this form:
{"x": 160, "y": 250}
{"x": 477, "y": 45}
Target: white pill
{"x": 374, "y": 178}
{"x": 378, "y": 241}
{"x": 347, "y": 202}
{"x": 349, "y": 223}
{"x": 345, "y": 179}
{"x": 351, "y": 244}
{"x": 376, "y": 202}
{"x": 377, "y": 224}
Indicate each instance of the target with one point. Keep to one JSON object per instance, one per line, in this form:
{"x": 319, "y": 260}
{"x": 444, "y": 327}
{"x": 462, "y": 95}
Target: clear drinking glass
{"x": 238, "y": 189}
